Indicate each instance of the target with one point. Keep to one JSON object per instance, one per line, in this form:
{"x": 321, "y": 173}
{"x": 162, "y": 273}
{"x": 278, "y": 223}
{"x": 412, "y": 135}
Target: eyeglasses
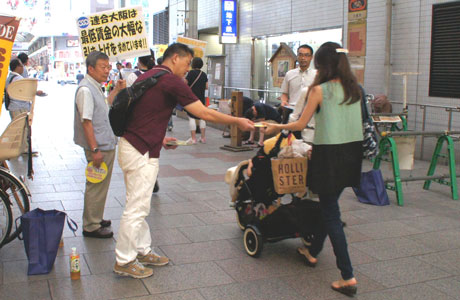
{"x": 304, "y": 54}
{"x": 107, "y": 67}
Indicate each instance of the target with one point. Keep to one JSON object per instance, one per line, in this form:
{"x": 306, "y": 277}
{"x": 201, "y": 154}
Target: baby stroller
{"x": 259, "y": 211}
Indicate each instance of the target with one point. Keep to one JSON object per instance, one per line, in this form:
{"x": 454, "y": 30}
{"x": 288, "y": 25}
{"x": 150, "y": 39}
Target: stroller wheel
{"x": 238, "y": 221}
{"x": 243, "y": 215}
{"x": 253, "y": 242}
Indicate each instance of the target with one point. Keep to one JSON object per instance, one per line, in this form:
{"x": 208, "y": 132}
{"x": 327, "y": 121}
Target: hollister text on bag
{"x": 289, "y": 174}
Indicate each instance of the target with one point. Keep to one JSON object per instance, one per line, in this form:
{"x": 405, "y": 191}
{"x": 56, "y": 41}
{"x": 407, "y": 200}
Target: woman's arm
{"x": 314, "y": 100}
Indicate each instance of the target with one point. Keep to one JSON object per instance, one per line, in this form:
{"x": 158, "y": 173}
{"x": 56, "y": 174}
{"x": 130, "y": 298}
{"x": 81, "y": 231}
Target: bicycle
{"x": 14, "y": 190}
{"x": 6, "y": 218}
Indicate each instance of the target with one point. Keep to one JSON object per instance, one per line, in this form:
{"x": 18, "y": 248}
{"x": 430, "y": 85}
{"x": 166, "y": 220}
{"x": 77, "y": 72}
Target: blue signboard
{"x": 229, "y": 22}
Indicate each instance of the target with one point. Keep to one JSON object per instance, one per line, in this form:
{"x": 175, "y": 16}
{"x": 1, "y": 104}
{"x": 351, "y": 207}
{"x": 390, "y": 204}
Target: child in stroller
{"x": 259, "y": 211}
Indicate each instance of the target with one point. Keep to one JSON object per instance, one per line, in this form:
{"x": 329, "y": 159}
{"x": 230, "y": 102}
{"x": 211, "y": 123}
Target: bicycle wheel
{"x": 17, "y": 194}
{"x": 6, "y": 219}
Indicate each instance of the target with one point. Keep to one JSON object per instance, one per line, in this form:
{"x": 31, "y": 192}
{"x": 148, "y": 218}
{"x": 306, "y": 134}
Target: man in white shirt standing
{"x": 295, "y": 88}
{"x": 298, "y": 78}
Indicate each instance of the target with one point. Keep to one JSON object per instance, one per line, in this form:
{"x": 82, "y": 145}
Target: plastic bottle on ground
{"x": 74, "y": 264}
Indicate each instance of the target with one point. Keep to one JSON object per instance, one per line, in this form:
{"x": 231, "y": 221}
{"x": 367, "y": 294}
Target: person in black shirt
{"x": 261, "y": 112}
{"x": 197, "y": 80}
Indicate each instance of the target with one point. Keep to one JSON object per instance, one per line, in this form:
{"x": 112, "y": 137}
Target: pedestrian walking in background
{"x": 197, "y": 80}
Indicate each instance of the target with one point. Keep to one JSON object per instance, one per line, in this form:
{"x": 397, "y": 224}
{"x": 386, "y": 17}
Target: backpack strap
{"x": 6, "y": 96}
{"x": 139, "y": 87}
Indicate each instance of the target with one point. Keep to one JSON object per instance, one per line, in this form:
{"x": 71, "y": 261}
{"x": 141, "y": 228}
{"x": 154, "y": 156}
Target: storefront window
{"x": 265, "y": 47}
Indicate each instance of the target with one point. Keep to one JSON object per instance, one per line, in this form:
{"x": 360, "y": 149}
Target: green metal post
{"x": 451, "y": 162}
{"x": 404, "y": 122}
{"x": 452, "y": 171}
{"x": 396, "y": 172}
{"x": 434, "y": 162}
{"x": 395, "y": 164}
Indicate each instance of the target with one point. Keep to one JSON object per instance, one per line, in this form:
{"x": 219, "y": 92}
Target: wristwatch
{"x": 95, "y": 150}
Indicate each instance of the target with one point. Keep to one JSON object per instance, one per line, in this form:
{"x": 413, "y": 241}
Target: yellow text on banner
{"x": 120, "y": 34}
{"x": 8, "y": 29}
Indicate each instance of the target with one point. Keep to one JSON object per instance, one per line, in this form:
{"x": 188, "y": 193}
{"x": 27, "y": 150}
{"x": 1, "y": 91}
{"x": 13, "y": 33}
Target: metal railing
{"x": 267, "y": 98}
{"x": 424, "y": 108}
{"x": 270, "y": 99}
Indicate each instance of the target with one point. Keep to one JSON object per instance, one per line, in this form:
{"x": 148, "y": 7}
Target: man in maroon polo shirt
{"x": 139, "y": 150}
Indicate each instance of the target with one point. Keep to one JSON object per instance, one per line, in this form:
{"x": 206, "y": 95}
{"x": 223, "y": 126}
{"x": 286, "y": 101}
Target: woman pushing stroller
{"x": 336, "y": 158}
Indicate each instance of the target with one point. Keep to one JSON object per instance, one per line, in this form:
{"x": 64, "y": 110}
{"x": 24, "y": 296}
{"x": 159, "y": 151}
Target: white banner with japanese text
{"x": 120, "y": 33}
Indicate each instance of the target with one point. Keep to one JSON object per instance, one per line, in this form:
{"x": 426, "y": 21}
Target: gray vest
{"x": 103, "y": 133}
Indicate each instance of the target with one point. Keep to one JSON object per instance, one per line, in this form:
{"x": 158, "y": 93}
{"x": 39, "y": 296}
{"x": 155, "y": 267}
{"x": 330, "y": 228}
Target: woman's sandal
{"x": 304, "y": 252}
{"x": 348, "y": 290}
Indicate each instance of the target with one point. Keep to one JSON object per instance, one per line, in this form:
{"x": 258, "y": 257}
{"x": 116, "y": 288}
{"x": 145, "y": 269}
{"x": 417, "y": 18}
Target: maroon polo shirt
{"x": 150, "y": 116}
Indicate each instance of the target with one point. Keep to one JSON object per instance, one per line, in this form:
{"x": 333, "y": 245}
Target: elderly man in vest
{"x": 92, "y": 131}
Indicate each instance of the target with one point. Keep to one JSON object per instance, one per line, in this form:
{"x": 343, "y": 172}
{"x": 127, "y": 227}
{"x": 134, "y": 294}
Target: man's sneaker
{"x": 133, "y": 269}
{"x": 156, "y": 188}
{"x": 153, "y": 259}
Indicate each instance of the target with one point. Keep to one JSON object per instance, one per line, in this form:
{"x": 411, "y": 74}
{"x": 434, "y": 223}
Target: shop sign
{"x": 229, "y": 22}
{"x": 8, "y": 29}
{"x": 120, "y": 34}
{"x": 357, "y": 10}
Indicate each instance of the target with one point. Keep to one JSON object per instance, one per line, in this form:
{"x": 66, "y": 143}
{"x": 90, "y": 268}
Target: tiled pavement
{"x": 410, "y": 252}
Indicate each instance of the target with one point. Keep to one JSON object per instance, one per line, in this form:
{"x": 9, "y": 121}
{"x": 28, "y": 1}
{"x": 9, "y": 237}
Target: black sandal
{"x": 348, "y": 290}
{"x": 307, "y": 261}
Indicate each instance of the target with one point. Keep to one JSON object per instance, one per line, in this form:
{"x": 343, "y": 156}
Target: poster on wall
{"x": 357, "y": 38}
{"x": 120, "y": 34}
{"x": 8, "y": 29}
{"x": 357, "y": 65}
{"x": 198, "y": 46}
{"x": 357, "y": 10}
{"x": 282, "y": 61}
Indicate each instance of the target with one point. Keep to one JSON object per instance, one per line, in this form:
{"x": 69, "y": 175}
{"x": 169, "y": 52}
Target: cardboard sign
{"x": 8, "y": 29}
{"x": 198, "y": 46}
{"x": 120, "y": 33}
{"x": 290, "y": 175}
{"x": 95, "y": 175}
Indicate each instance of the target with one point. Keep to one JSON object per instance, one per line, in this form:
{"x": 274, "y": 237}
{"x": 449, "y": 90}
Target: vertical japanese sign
{"x": 229, "y": 22}
{"x": 356, "y": 36}
{"x": 199, "y": 47}
{"x": 8, "y": 29}
{"x": 120, "y": 34}
{"x": 357, "y": 10}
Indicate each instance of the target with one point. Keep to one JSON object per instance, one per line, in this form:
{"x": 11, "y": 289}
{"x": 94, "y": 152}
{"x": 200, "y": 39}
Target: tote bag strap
{"x": 71, "y": 222}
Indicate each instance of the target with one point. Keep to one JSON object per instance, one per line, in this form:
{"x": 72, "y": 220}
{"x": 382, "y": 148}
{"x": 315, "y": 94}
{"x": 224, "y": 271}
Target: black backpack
{"x": 125, "y": 100}
{"x": 7, "y": 97}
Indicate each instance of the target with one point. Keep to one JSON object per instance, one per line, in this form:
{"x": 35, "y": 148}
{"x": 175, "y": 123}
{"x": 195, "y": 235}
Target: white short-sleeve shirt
{"x": 85, "y": 101}
{"x": 295, "y": 80}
